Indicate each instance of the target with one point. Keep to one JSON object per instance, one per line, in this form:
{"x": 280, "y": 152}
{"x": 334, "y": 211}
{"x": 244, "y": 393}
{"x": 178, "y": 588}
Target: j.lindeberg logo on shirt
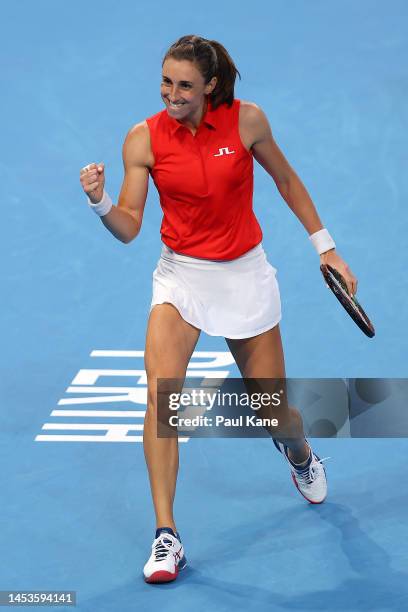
{"x": 223, "y": 151}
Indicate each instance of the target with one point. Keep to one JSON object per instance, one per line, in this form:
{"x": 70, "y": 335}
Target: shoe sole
{"x": 163, "y": 576}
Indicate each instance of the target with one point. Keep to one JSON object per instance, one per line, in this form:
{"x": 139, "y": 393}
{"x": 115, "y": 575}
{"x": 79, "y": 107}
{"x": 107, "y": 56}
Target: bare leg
{"x": 262, "y": 357}
{"x": 170, "y": 342}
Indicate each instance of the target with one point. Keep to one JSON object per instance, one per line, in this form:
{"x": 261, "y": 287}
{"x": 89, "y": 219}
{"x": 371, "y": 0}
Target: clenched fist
{"x": 92, "y": 178}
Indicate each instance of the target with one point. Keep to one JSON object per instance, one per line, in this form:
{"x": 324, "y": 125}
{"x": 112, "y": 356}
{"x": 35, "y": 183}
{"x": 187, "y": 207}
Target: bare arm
{"x": 270, "y": 157}
{"x": 268, "y": 154}
{"x": 125, "y": 219}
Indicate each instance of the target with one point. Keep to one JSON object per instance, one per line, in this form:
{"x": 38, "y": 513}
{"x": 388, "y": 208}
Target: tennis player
{"x": 213, "y": 274}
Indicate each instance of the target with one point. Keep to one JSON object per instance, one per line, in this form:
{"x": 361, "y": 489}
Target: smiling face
{"x": 183, "y": 89}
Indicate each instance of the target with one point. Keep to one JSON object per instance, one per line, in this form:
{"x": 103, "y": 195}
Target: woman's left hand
{"x": 335, "y": 261}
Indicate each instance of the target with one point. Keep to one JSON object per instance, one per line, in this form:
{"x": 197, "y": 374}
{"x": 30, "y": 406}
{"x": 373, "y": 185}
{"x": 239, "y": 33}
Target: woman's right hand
{"x": 92, "y": 178}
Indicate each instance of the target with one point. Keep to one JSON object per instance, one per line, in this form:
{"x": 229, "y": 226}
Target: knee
{"x": 159, "y": 391}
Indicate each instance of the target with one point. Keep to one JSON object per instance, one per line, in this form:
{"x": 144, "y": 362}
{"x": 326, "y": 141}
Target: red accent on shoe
{"x": 162, "y": 576}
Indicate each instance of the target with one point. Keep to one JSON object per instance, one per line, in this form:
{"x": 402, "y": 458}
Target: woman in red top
{"x": 213, "y": 274}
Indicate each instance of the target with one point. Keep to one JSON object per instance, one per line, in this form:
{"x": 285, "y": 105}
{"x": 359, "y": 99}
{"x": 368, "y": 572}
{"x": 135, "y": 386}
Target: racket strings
{"x": 337, "y": 284}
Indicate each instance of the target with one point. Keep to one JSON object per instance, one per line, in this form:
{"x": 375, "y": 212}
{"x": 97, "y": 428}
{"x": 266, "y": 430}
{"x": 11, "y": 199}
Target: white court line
{"x": 75, "y": 438}
{"x": 103, "y": 426}
{"x": 99, "y": 413}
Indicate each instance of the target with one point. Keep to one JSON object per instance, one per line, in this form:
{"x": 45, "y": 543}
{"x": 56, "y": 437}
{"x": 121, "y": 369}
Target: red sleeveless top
{"x": 205, "y": 184}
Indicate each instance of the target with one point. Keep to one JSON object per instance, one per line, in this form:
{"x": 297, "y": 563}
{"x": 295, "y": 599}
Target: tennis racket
{"x": 337, "y": 284}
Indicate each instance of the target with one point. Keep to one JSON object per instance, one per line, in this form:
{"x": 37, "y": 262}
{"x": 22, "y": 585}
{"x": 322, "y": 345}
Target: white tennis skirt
{"x": 236, "y": 299}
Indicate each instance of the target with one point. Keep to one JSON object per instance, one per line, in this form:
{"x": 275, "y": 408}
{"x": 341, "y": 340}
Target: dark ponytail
{"x": 212, "y": 59}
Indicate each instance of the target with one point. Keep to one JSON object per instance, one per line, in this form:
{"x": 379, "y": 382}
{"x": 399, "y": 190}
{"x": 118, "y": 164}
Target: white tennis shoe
{"x": 310, "y": 480}
{"x": 167, "y": 557}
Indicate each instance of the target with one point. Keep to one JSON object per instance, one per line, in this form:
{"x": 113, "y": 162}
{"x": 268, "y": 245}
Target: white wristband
{"x": 322, "y": 241}
{"x": 103, "y": 207}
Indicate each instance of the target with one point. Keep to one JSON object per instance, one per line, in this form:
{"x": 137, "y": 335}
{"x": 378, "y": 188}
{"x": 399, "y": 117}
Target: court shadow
{"x": 376, "y": 586}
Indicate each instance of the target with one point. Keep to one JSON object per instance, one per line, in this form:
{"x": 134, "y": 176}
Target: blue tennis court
{"x": 76, "y": 512}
